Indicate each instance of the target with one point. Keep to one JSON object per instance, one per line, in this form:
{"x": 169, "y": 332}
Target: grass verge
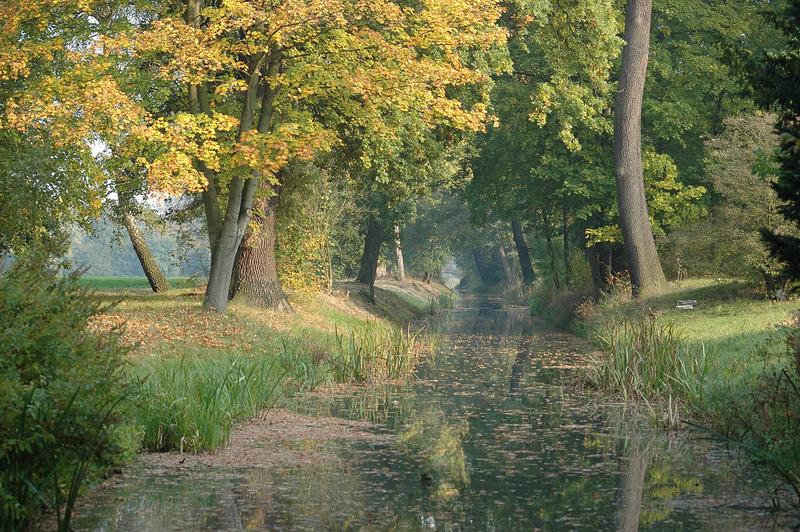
{"x": 730, "y": 365}
{"x": 101, "y": 282}
{"x": 198, "y": 374}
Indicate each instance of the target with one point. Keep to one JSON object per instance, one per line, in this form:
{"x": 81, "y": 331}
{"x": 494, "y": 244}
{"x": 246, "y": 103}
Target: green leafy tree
{"x": 778, "y": 82}
{"x": 727, "y": 243}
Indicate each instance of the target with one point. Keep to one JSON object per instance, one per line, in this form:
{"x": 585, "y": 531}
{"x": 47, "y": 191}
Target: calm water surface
{"x": 490, "y": 437}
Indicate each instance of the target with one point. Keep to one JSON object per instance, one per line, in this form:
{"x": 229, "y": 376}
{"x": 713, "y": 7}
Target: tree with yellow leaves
{"x": 257, "y": 83}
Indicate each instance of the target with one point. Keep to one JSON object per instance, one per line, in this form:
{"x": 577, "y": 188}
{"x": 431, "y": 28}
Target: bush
{"x": 61, "y": 386}
{"x": 557, "y": 307}
{"x": 767, "y": 420}
{"x": 604, "y": 313}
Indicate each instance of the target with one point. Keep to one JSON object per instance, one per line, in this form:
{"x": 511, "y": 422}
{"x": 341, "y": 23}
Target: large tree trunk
{"x": 523, "y": 253}
{"x": 158, "y": 282}
{"x": 482, "y": 264}
{"x": 373, "y": 241}
{"x": 503, "y": 259}
{"x": 398, "y": 252}
{"x": 640, "y": 247}
{"x": 255, "y": 278}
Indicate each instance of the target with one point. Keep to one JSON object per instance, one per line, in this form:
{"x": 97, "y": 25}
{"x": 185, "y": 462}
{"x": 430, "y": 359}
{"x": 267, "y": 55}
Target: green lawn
{"x": 741, "y": 332}
{"x": 101, "y": 282}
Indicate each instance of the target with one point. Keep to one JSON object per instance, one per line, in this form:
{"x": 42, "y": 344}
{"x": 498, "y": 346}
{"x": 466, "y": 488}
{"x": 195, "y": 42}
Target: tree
{"x": 259, "y": 86}
{"x": 398, "y": 253}
{"x": 373, "y": 240}
{"x": 640, "y": 247}
{"x": 740, "y": 169}
{"x": 403, "y": 169}
{"x": 46, "y": 186}
{"x": 528, "y": 162}
{"x": 523, "y": 253}
{"x": 315, "y": 45}
{"x": 438, "y": 232}
{"x": 778, "y": 82}
{"x": 156, "y": 278}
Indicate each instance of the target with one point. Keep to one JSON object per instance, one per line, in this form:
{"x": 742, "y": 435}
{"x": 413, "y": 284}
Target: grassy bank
{"x": 740, "y": 333}
{"x": 200, "y": 373}
{"x": 726, "y": 365}
{"x": 90, "y": 378}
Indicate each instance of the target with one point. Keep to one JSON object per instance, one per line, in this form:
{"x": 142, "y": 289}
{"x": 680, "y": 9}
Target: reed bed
{"x": 650, "y": 361}
{"x": 191, "y": 403}
{"x": 373, "y": 353}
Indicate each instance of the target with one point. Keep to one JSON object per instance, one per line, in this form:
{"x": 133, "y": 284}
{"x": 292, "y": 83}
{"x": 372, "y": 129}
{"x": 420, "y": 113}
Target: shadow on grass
{"x": 705, "y": 292}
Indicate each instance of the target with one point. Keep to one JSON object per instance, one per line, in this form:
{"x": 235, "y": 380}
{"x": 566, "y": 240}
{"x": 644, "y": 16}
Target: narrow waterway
{"x": 490, "y": 436}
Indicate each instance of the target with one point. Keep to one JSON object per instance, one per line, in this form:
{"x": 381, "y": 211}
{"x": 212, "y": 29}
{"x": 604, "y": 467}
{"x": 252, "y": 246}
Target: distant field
{"x": 100, "y": 282}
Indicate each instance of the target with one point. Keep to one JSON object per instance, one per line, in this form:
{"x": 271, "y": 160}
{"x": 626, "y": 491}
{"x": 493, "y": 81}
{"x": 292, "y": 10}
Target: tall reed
{"x": 648, "y": 360}
{"x": 374, "y": 352}
{"x": 445, "y": 301}
{"x": 191, "y": 403}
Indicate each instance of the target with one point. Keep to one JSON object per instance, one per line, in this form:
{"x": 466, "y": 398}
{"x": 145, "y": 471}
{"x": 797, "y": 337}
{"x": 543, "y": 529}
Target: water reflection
{"x": 631, "y": 489}
{"x": 520, "y": 364}
{"x": 439, "y": 445}
{"x": 489, "y": 437}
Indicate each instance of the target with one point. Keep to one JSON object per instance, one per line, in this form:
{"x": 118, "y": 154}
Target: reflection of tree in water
{"x": 521, "y": 362}
{"x": 439, "y": 444}
{"x": 649, "y": 482}
{"x": 632, "y": 488}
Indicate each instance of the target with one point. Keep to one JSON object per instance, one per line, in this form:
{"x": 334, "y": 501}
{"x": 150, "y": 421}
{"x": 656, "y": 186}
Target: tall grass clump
{"x": 445, "y": 301}
{"x": 192, "y": 403}
{"x": 373, "y": 352}
{"x": 61, "y": 388}
{"x": 647, "y": 360}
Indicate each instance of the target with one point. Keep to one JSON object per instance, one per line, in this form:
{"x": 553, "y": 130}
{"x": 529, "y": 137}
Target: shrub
{"x": 557, "y": 307}
{"x": 61, "y": 385}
